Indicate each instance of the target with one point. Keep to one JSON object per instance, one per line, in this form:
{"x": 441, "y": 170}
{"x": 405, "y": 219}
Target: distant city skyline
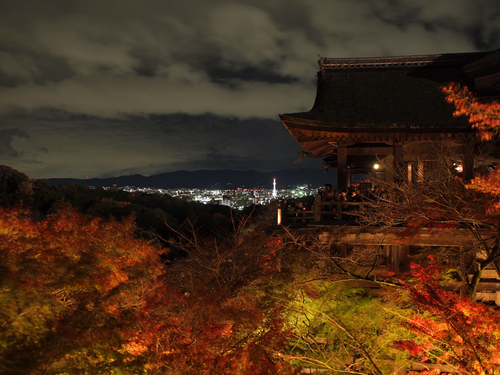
{"x": 217, "y": 179}
{"x": 234, "y": 198}
{"x": 110, "y": 88}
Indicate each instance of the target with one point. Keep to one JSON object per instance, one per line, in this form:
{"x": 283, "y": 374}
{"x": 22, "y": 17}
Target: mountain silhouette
{"x": 208, "y": 179}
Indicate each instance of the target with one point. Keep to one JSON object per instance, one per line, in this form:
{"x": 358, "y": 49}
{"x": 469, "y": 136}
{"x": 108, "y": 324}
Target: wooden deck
{"x": 395, "y": 245}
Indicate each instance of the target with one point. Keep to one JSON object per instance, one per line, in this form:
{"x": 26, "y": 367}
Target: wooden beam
{"x": 396, "y": 236}
{"x": 383, "y": 150}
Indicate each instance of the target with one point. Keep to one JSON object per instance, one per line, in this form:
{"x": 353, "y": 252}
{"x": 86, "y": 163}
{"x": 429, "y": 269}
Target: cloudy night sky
{"x": 106, "y": 88}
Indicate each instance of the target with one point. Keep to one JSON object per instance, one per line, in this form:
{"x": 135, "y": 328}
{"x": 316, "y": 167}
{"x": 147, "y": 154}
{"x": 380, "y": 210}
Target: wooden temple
{"x": 390, "y": 109}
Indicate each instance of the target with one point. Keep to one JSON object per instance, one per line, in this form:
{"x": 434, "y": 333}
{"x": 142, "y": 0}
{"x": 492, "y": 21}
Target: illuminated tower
{"x": 275, "y": 194}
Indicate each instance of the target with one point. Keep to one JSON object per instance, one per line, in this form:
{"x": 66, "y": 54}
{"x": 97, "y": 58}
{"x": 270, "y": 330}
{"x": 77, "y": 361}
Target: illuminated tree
{"x": 483, "y": 116}
{"x": 82, "y": 295}
{"x": 70, "y": 288}
{"x": 341, "y": 328}
{"x": 229, "y": 320}
{"x": 453, "y": 331}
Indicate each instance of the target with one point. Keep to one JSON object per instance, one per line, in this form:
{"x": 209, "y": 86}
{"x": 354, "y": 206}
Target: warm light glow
{"x": 376, "y": 166}
{"x": 279, "y": 216}
{"x": 459, "y": 168}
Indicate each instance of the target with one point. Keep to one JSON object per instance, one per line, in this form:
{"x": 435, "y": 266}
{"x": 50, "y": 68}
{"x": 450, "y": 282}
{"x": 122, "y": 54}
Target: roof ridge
{"x": 409, "y": 61}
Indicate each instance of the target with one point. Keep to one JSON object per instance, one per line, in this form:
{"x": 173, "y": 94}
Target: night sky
{"x": 106, "y": 88}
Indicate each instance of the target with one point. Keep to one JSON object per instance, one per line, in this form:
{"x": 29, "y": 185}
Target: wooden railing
{"x": 336, "y": 212}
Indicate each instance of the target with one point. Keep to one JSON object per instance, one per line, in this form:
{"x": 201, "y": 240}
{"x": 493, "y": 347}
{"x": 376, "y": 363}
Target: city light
{"x": 237, "y": 199}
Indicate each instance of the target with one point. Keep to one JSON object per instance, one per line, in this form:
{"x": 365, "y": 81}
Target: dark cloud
{"x": 112, "y": 86}
{"x": 7, "y": 136}
{"x": 31, "y": 162}
{"x": 77, "y": 145}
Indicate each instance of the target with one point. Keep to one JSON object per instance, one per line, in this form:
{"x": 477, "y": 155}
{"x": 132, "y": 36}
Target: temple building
{"x": 390, "y": 109}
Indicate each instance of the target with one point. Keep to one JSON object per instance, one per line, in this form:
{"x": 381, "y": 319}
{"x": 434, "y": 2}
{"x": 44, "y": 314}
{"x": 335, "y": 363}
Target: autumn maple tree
{"x": 70, "y": 288}
{"x": 484, "y": 116}
{"x": 229, "y": 321}
{"x": 84, "y": 295}
{"x": 450, "y": 330}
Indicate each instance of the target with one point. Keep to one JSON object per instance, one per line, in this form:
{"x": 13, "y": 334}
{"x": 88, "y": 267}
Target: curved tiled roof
{"x": 385, "y": 93}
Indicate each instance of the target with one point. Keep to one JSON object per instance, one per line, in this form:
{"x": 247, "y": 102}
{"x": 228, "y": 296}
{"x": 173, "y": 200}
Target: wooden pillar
{"x": 396, "y": 254}
{"x": 420, "y": 172}
{"x": 464, "y": 271}
{"x": 389, "y": 168}
{"x": 317, "y": 207}
{"x": 344, "y": 250}
{"x": 342, "y": 168}
{"x": 398, "y": 153}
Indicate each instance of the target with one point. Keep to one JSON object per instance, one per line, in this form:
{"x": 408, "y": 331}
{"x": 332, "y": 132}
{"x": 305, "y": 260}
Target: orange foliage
{"x": 222, "y": 322}
{"x": 485, "y": 117}
{"x": 206, "y": 333}
{"x": 84, "y": 295}
{"x": 69, "y": 283}
{"x": 489, "y": 185}
{"x": 455, "y": 331}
